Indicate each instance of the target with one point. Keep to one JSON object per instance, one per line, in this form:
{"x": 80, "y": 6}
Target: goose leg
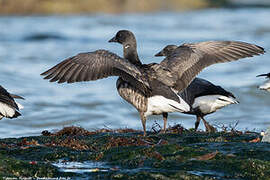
{"x": 143, "y": 119}
{"x": 208, "y": 127}
{"x": 197, "y": 123}
{"x": 165, "y": 117}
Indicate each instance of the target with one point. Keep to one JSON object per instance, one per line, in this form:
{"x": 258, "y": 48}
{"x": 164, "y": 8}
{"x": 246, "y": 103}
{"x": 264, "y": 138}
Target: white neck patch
{"x": 127, "y": 46}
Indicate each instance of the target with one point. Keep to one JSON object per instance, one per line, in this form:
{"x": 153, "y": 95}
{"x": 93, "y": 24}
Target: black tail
{"x": 16, "y": 115}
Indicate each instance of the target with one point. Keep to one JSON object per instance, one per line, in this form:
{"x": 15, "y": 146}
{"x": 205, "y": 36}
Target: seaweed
{"x": 178, "y": 154}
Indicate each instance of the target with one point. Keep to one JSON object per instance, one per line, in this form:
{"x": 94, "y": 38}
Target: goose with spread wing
{"x": 9, "y": 108}
{"x": 151, "y": 88}
{"x": 266, "y": 85}
{"x": 203, "y": 96}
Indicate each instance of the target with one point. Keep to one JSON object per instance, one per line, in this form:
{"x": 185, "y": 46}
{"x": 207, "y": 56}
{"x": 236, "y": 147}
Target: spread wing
{"x": 92, "y": 66}
{"x": 6, "y": 98}
{"x": 189, "y": 59}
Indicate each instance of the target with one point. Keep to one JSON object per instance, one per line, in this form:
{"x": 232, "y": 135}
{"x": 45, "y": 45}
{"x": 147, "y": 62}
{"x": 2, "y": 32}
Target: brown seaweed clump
{"x": 78, "y": 131}
{"x": 178, "y": 154}
{"x": 69, "y": 131}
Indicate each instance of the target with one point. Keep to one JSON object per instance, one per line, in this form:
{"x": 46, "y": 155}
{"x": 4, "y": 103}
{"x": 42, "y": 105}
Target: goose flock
{"x": 155, "y": 88}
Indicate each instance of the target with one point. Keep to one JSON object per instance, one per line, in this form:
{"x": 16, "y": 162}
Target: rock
{"x": 75, "y": 153}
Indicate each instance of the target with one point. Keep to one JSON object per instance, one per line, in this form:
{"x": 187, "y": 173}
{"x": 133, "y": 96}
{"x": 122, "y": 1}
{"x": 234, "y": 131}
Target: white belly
{"x": 211, "y": 103}
{"x": 6, "y": 110}
{"x": 159, "y": 104}
{"x": 265, "y": 86}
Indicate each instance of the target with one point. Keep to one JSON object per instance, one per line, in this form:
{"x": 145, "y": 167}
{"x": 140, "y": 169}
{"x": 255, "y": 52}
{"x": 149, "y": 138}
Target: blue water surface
{"x": 30, "y": 45}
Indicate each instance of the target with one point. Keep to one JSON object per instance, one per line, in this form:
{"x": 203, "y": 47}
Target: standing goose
{"x": 266, "y": 85}
{"x": 8, "y": 107}
{"x": 203, "y": 96}
{"x": 151, "y": 88}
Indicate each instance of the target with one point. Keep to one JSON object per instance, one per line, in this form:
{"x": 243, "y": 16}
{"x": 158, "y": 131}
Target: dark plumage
{"x": 95, "y": 65}
{"x": 266, "y": 85}
{"x": 266, "y": 75}
{"x": 201, "y": 93}
{"x": 192, "y": 58}
{"x": 159, "y": 84}
{"x": 8, "y": 107}
{"x": 206, "y": 98}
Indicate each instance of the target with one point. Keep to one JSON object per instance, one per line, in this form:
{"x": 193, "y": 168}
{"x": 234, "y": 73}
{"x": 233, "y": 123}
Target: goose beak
{"x": 267, "y": 75}
{"x": 113, "y": 40}
{"x": 261, "y": 75}
{"x": 159, "y": 54}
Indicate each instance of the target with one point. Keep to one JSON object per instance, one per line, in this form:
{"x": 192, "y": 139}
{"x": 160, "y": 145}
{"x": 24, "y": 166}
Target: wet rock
{"x": 74, "y": 152}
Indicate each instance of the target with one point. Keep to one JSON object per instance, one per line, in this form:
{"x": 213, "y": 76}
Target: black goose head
{"x": 126, "y": 38}
{"x": 167, "y": 50}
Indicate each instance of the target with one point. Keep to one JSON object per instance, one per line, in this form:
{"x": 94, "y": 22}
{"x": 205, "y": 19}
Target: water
{"x": 31, "y": 45}
{"x": 84, "y": 167}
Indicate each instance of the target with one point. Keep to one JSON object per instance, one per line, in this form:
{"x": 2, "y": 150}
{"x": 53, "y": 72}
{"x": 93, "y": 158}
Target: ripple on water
{"x": 83, "y": 167}
{"x": 26, "y": 52}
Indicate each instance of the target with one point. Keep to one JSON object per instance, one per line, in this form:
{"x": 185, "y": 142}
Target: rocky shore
{"x": 74, "y": 152}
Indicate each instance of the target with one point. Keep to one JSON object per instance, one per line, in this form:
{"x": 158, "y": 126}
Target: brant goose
{"x": 203, "y": 96}
{"x": 8, "y": 107}
{"x": 151, "y": 88}
{"x": 266, "y": 85}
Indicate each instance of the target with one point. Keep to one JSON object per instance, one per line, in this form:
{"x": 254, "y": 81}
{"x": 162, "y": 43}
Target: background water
{"x": 31, "y": 45}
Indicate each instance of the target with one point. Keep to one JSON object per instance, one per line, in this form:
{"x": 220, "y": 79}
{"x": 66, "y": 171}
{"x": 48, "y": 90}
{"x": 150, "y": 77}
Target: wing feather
{"x": 188, "y": 60}
{"x": 92, "y": 66}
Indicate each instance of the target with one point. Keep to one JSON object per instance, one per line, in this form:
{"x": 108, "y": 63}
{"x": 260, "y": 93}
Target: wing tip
{"x": 262, "y": 50}
{"x": 44, "y": 73}
{"x": 47, "y": 77}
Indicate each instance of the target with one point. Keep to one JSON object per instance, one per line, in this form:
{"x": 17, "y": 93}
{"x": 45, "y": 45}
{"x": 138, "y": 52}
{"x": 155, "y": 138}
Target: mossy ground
{"x": 179, "y": 154}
